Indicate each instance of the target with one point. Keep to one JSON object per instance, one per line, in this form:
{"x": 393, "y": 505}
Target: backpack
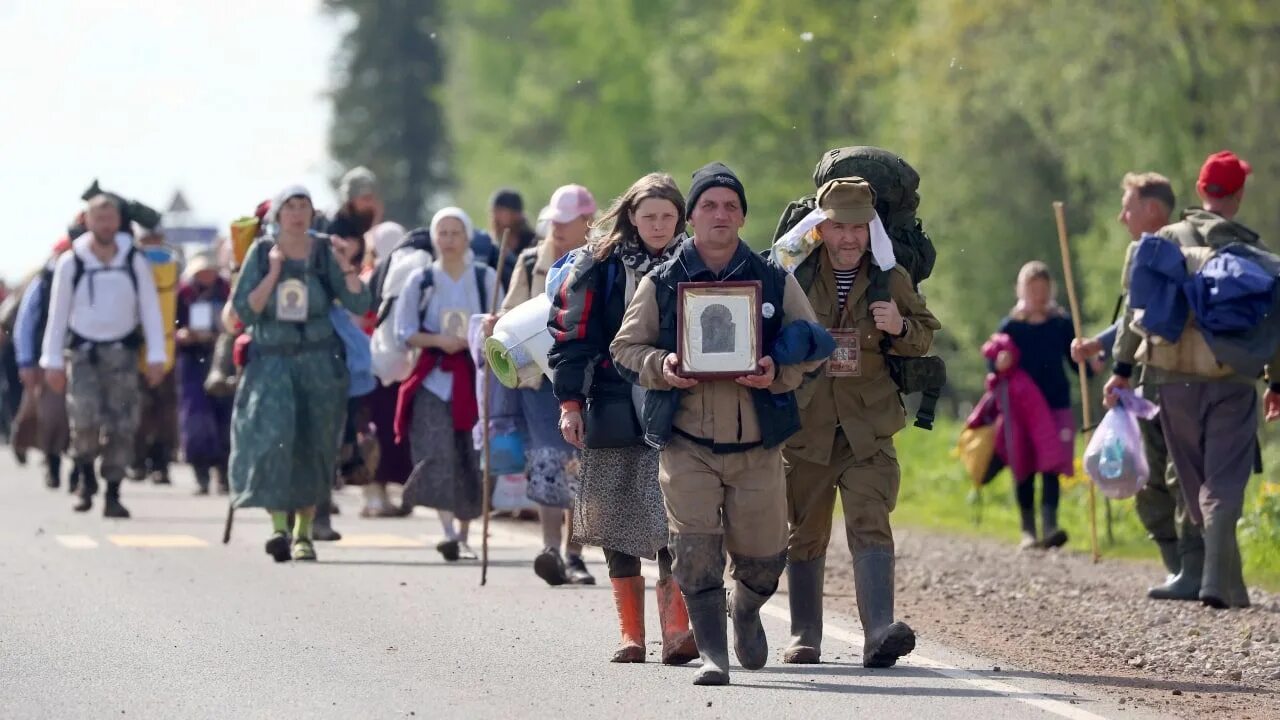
{"x": 391, "y": 362}
{"x": 896, "y": 185}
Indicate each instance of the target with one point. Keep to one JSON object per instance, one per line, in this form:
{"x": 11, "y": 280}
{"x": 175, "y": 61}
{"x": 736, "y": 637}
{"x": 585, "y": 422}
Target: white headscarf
{"x": 462, "y": 216}
{"x": 792, "y": 248}
{"x": 385, "y": 237}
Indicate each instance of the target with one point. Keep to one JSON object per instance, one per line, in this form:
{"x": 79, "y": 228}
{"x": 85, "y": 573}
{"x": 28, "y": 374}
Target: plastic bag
{"x": 510, "y": 493}
{"x": 1115, "y": 459}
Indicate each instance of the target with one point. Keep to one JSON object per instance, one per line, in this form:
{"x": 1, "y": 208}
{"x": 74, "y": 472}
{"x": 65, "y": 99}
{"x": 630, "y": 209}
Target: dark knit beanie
{"x": 711, "y": 175}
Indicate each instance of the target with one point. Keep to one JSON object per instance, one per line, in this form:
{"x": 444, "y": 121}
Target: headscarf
{"x": 451, "y": 212}
{"x": 385, "y": 237}
{"x": 636, "y": 256}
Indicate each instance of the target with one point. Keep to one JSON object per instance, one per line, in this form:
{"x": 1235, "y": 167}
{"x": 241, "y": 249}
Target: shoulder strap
{"x": 610, "y": 277}
{"x": 129, "y": 265}
{"x": 321, "y": 256}
{"x": 480, "y": 288}
{"x": 530, "y": 261}
{"x": 426, "y": 283}
{"x": 79, "y": 270}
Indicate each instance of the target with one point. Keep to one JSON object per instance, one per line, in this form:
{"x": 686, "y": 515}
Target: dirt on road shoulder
{"x": 1056, "y": 614}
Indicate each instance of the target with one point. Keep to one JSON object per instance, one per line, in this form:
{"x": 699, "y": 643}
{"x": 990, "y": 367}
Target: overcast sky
{"x": 221, "y": 98}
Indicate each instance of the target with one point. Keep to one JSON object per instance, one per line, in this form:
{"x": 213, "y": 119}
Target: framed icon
{"x": 291, "y": 301}
{"x": 846, "y": 360}
{"x": 718, "y": 328}
{"x": 454, "y": 323}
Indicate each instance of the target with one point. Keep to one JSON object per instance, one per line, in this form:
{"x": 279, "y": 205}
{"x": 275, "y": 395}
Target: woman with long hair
{"x": 291, "y": 399}
{"x": 619, "y": 505}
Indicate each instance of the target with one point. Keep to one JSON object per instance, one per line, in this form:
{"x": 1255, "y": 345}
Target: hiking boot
{"x": 278, "y": 546}
{"x": 699, "y": 571}
{"x": 628, "y": 598}
{"x": 550, "y": 567}
{"x": 678, "y": 644}
{"x": 1185, "y": 584}
{"x": 202, "y": 479}
{"x": 804, "y": 593}
{"x": 577, "y": 573}
{"x": 88, "y": 487}
{"x": 111, "y": 507}
{"x": 324, "y": 533}
{"x": 448, "y": 550}
{"x": 303, "y": 550}
{"x": 884, "y": 640}
{"x": 755, "y": 581}
{"x": 52, "y": 471}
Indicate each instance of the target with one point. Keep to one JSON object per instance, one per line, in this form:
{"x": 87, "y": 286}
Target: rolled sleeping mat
{"x": 243, "y": 232}
{"x": 517, "y": 351}
{"x": 165, "y": 271}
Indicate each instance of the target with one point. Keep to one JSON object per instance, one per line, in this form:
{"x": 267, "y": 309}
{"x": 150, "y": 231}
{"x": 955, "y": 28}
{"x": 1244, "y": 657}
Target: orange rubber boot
{"x": 678, "y": 644}
{"x": 628, "y": 596}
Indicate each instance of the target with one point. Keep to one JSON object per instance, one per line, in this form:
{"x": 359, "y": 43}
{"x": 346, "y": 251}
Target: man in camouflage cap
{"x": 849, "y": 415}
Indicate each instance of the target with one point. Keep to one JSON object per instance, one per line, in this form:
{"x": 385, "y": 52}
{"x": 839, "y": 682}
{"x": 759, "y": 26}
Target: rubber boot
{"x": 1222, "y": 583}
{"x": 1171, "y": 556}
{"x": 628, "y": 598}
{"x": 755, "y": 581}
{"x": 678, "y": 644}
{"x": 1185, "y": 585}
{"x": 111, "y": 507}
{"x": 73, "y": 479}
{"x": 88, "y": 487}
{"x": 884, "y": 640}
{"x": 1030, "y": 539}
{"x": 1054, "y": 536}
{"x": 699, "y": 571}
{"x": 804, "y": 591}
{"x": 52, "y": 471}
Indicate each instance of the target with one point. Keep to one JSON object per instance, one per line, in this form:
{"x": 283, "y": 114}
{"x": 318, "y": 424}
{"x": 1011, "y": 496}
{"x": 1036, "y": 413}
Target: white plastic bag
{"x": 1115, "y": 458}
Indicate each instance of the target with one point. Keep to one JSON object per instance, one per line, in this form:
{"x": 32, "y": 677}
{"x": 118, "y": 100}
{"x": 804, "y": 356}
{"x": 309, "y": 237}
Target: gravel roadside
{"x": 1056, "y": 614}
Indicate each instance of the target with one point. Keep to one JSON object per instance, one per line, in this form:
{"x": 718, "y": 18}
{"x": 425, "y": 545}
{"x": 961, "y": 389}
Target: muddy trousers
{"x": 868, "y": 491}
{"x": 103, "y": 407}
{"x": 718, "y": 503}
{"x": 1209, "y": 428}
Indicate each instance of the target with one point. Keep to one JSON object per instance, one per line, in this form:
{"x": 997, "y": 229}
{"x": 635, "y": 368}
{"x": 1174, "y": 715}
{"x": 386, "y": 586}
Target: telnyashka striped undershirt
{"x": 844, "y": 282}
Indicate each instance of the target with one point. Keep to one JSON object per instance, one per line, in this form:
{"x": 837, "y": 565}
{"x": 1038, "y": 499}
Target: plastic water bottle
{"x": 1112, "y": 463}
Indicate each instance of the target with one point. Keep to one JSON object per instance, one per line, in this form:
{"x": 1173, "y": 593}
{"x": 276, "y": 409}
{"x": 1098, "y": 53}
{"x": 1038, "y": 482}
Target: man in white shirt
{"x": 104, "y": 304}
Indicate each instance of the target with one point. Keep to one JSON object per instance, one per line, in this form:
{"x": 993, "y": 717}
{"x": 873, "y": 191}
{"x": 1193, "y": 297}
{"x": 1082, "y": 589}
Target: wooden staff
{"x": 1060, "y": 213}
{"x": 486, "y": 492}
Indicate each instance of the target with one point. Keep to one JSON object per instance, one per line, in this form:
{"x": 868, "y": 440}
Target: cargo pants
{"x": 868, "y": 494}
{"x": 103, "y": 406}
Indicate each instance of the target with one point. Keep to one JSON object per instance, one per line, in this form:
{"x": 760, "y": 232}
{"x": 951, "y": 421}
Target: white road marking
{"x": 76, "y": 542}
{"x": 157, "y": 541}
{"x": 854, "y": 637}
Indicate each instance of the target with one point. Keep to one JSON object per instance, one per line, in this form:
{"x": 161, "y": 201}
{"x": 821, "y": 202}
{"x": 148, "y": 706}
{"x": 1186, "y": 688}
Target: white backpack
{"x": 392, "y": 363}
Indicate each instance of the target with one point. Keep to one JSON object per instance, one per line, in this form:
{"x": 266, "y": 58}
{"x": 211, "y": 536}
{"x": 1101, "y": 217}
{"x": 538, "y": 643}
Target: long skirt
{"x": 205, "y": 421}
{"x": 446, "y": 471}
{"x": 396, "y": 461}
{"x": 619, "y": 505}
{"x": 286, "y": 427}
{"x": 552, "y": 465}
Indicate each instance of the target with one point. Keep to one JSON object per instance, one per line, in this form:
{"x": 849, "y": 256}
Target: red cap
{"x": 62, "y": 245}
{"x": 1223, "y": 174}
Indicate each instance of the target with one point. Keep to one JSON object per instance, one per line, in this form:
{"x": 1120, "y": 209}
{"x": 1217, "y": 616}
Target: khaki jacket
{"x": 868, "y": 408}
{"x": 721, "y": 411}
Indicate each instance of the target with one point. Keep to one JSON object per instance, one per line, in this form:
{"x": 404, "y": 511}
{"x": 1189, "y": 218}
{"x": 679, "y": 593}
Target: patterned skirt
{"x": 446, "y": 467}
{"x": 619, "y": 504}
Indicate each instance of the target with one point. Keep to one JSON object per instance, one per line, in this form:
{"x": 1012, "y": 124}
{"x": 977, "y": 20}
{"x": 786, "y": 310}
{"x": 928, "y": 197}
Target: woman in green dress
{"x": 292, "y": 397}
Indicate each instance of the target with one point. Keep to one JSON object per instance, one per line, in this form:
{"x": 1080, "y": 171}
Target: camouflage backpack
{"x": 896, "y": 185}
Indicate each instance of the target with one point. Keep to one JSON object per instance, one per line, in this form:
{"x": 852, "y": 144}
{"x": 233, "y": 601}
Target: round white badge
{"x": 767, "y": 310}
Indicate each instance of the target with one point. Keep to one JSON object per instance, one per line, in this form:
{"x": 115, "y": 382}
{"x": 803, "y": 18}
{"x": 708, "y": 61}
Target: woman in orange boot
{"x": 619, "y": 504}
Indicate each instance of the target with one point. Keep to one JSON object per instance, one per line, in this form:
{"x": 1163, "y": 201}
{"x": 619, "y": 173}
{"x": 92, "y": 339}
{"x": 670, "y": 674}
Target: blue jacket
{"x": 1237, "y": 306}
{"x": 1156, "y": 282}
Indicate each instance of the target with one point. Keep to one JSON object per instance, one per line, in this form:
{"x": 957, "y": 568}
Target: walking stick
{"x": 487, "y": 493}
{"x": 1061, "y": 216}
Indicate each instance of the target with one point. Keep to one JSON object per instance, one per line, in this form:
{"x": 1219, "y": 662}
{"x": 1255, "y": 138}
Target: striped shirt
{"x": 844, "y": 282}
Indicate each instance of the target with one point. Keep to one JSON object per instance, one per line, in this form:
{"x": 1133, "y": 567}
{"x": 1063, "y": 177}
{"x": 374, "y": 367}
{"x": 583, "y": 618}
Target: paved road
{"x": 153, "y": 618}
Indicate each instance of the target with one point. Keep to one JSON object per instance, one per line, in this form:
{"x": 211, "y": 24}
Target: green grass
{"x": 937, "y": 494}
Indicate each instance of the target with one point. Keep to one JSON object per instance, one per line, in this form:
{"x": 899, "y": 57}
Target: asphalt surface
{"x": 153, "y": 617}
